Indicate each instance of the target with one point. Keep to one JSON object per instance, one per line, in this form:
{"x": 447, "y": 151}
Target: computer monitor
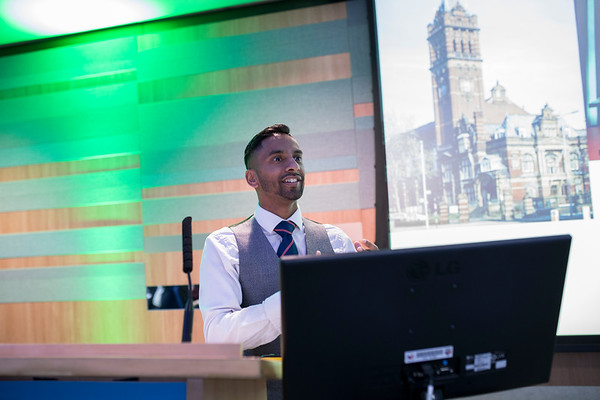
{"x": 461, "y": 319}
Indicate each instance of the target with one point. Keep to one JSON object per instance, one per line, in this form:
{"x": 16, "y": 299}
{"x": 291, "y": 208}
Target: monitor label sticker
{"x": 430, "y": 354}
{"x": 486, "y": 361}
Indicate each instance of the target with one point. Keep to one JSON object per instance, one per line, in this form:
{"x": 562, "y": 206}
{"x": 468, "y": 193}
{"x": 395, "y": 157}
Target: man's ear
{"x": 251, "y": 178}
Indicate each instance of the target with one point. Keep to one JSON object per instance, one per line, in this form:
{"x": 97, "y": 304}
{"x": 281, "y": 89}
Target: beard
{"x": 282, "y": 190}
{"x": 292, "y": 193}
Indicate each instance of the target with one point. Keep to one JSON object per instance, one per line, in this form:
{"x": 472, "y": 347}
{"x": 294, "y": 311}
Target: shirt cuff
{"x": 272, "y": 306}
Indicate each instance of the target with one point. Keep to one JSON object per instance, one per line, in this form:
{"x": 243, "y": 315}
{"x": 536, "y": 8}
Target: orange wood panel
{"x": 285, "y": 19}
{"x": 47, "y": 170}
{"x": 166, "y": 326}
{"x": 74, "y": 322}
{"x": 126, "y": 321}
{"x": 368, "y": 223}
{"x": 70, "y": 218}
{"x": 255, "y": 77}
{"x": 74, "y": 259}
{"x": 239, "y": 185}
{"x": 363, "y": 110}
{"x": 208, "y": 226}
{"x": 167, "y": 268}
{"x": 332, "y": 177}
{"x": 197, "y": 227}
{"x": 251, "y": 24}
{"x": 194, "y": 189}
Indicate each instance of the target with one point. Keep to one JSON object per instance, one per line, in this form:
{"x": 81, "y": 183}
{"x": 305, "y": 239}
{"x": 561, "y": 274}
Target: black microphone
{"x": 188, "y": 266}
{"x": 186, "y": 235}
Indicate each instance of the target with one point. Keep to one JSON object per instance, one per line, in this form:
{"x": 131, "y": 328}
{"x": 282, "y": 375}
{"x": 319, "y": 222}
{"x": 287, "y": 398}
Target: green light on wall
{"x": 57, "y": 17}
{"x": 23, "y": 20}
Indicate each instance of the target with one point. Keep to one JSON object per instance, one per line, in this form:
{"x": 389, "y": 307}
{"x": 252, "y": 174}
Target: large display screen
{"x": 485, "y": 132}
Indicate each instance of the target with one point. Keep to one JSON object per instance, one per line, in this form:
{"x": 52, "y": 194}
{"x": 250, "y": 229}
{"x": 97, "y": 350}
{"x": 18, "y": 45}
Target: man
{"x": 239, "y": 278}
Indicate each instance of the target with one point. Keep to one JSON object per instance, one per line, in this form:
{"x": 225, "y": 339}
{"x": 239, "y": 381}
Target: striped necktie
{"x": 287, "y": 246}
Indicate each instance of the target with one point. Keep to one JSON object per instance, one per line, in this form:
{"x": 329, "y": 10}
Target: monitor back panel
{"x": 351, "y": 320}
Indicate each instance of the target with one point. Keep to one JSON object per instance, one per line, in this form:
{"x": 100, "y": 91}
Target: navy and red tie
{"x": 287, "y": 246}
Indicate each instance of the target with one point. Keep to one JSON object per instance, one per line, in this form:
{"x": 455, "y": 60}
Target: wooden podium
{"x": 210, "y": 371}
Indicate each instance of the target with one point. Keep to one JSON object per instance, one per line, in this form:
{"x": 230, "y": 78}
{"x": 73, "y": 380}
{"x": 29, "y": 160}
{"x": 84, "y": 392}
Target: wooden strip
{"x": 197, "y": 227}
{"x": 247, "y": 25}
{"x": 105, "y": 282}
{"x": 74, "y": 259}
{"x": 49, "y": 170}
{"x": 363, "y": 110}
{"x": 368, "y": 223}
{"x": 112, "y": 78}
{"x": 166, "y": 269}
{"x": 255, "y": 77}
{"x": 208, "y": 226}
{"x": 166, "y": 326}
{"x": 123, "y": 350}
{"x": 118, "y": 321}
{"x": 194, "y": 189}
{"x": 115, "y": 367}
{"x": 239, "y": 185}
{"x": 125, "y": 321}
{"x": 332, "y": 177}
{"x": 71, "y": 218}
{"x": 98, "y": 240}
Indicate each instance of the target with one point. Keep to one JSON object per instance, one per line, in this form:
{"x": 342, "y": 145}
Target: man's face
{"x": 276, "y": 171}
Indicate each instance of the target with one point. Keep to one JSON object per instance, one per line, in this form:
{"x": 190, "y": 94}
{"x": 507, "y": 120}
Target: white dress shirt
{"x": 221, "y": 294}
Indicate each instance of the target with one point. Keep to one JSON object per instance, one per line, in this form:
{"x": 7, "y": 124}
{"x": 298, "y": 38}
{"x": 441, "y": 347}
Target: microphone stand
{"x": 188, "y": 264}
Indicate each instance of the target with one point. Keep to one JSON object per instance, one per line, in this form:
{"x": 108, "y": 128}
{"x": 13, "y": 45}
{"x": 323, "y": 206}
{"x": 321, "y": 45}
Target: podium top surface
{"x": 179, "y": 360}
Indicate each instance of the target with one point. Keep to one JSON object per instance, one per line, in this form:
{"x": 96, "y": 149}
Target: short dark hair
{"x": 277, "y": 129}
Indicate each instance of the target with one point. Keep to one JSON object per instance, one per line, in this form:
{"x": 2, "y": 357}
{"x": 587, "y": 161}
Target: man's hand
{"x": 365, "y": 245}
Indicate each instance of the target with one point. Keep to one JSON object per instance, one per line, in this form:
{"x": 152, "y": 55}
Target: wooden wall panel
{"x": 70, "y": 218}
{"x": 287, "y": 73}
{"x": 93, "y": 322}
{"x": 108, "y": 141}
{"x": 74, "y": 322}
{"x": 71, "y": 259}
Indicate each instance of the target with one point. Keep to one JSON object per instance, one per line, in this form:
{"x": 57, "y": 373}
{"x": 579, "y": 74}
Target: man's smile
{"x": 292, "y": 180}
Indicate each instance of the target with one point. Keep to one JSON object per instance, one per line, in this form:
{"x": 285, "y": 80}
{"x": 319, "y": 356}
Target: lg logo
{"x": 420, "y": 269}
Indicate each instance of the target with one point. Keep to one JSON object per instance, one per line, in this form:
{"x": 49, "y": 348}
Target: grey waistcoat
{"x": 259, "y": 266}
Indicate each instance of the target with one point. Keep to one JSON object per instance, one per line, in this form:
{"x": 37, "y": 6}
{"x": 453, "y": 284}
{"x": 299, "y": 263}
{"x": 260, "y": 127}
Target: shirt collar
{"x": 268, "y": 221}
